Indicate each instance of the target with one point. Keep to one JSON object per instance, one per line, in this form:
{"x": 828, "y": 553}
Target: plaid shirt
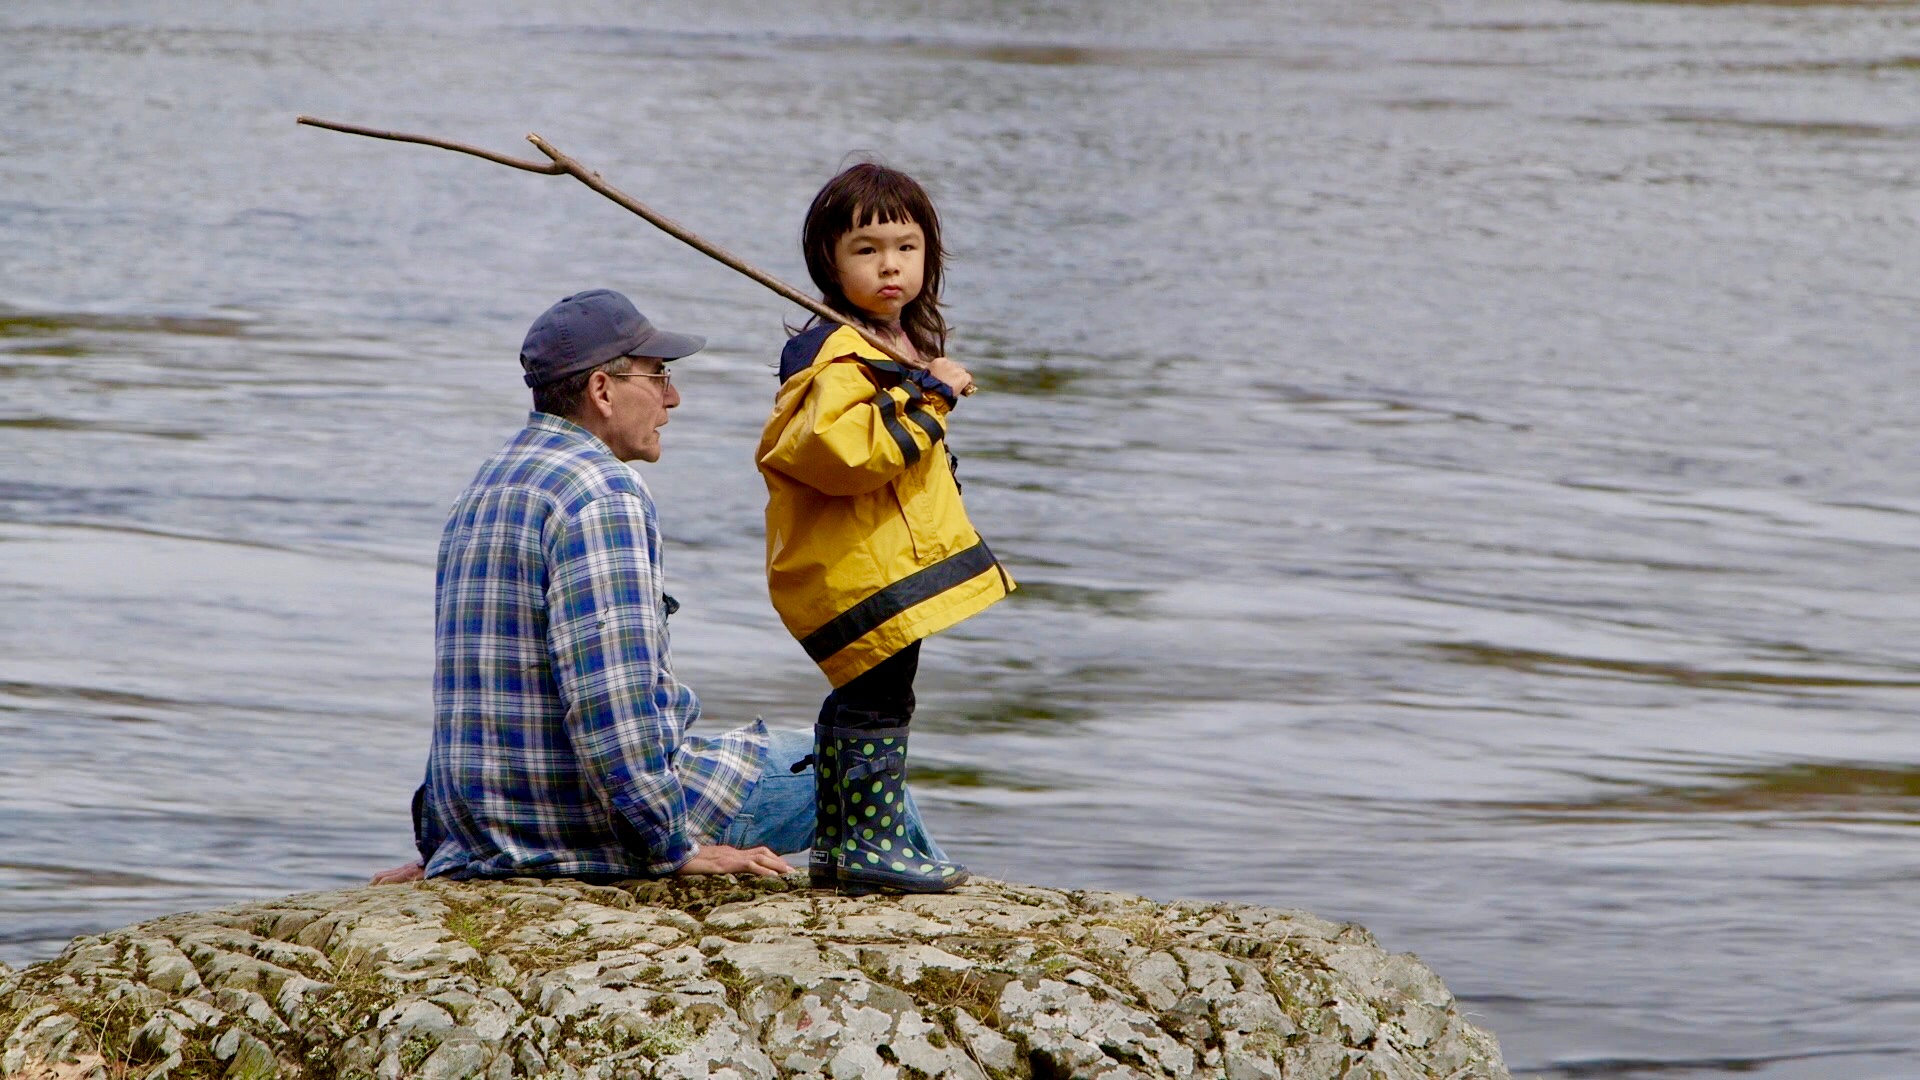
{"x": 559, "y": 734}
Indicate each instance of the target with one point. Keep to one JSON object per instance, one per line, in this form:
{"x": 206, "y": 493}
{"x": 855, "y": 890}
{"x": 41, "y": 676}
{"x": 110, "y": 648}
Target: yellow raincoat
{"x": 868, "y": 546}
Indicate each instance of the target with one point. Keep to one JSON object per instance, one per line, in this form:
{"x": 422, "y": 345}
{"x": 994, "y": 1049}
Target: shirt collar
{"x": 560, "y": 425}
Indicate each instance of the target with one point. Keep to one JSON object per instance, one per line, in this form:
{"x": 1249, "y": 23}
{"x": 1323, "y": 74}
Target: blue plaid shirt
{"x": 559, "y": 734}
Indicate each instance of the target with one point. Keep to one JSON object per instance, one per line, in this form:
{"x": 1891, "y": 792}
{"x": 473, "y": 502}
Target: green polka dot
{"x": 886, "y": 821}
{"x": 867, "y": 833}
{"x": 886, "y": 742}
{"x": 926, "y": 868}
{"x": 946, "y": 871}
{"x": 867, "y": 749}
{"x": 889, "y": 798}
{"x": 900, "y": 866}
{"x": 877, "y": 785}
{"x": 872, "y": 858}
{"x": 886, "y": 845}
{"x": 872, "y": 810}
{"x": 855, "y": 796}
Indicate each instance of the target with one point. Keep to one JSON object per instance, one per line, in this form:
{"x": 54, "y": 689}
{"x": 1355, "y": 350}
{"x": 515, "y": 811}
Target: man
{"x": 560, "y": 745}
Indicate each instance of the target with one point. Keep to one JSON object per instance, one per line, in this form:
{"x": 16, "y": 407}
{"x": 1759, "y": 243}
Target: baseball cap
{"x": 588, "y": 329}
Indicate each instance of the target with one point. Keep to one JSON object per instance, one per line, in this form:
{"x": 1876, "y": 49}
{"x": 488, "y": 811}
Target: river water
{"x": 1459, "y": 456}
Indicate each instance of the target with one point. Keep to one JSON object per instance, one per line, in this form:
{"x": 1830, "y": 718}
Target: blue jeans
{"x": 779, "y": 810}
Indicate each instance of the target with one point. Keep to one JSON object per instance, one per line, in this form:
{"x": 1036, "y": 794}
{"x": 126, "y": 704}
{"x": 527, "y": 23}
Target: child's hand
{"x": 951, "y": 373}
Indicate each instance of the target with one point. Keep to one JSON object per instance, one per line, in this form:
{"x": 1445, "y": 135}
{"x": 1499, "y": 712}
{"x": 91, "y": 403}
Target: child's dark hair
{"x": 871, "y": 193}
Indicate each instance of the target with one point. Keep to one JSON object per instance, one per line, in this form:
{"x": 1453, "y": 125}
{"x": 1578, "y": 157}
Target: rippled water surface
{"x": 1460, "y": 456}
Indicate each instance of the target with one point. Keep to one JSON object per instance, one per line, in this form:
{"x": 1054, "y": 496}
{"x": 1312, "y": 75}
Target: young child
{"x": 868, "y": 547}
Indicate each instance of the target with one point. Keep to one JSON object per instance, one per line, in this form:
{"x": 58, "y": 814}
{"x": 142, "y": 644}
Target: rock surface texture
{"x": 733, "y": 978}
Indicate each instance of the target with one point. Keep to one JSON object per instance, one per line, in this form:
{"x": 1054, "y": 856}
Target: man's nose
{"x": 672, "y": 398}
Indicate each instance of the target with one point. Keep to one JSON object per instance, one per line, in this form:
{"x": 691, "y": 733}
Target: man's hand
{"x": 413, "y": 871}
{"x": 951, "y": 373}
{"x": 721, "y": 859}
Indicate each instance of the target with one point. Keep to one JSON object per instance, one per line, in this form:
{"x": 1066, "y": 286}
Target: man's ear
{"x": 600, "y": 394}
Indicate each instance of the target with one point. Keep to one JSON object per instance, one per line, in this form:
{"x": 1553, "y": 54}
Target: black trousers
{"x": 877, "y": 698}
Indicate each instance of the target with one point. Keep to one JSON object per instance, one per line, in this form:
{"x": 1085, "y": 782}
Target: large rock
{"x": 733, "y": 978}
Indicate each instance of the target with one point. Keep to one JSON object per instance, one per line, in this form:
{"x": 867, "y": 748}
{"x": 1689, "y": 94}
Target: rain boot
{"x": 827, "y": 826}
{"x": 873, "y": 853}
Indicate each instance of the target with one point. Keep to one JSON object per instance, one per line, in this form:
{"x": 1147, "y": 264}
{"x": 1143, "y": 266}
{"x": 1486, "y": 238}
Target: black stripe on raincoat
{"x": 917, "y": 588}
{"x": 927, "y": 424}
{"x": 890, "y": 415}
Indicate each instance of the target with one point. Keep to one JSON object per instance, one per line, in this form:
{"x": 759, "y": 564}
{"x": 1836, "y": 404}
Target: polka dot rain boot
{"x": 873, "y": 854}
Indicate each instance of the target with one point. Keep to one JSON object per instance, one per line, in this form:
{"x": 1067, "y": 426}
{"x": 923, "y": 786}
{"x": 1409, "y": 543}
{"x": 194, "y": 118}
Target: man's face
{"x": 641, "y": 396}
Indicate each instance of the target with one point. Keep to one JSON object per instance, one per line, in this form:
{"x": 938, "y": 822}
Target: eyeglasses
{"x": 665, "y": 377}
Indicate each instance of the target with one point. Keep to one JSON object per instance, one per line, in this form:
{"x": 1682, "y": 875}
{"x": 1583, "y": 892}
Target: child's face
{"x": 881, "y": 266}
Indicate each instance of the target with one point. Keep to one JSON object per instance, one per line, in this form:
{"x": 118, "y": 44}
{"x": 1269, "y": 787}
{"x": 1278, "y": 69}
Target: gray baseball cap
{"x": 588, "y": 329}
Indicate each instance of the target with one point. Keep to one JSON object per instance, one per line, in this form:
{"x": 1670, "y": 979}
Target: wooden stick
{"x": 561, "y": 164}
{"x": 549, "y": 168}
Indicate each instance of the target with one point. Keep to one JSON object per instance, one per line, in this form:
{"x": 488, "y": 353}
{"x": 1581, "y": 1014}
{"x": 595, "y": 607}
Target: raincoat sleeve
{"x": 848, "y": 436}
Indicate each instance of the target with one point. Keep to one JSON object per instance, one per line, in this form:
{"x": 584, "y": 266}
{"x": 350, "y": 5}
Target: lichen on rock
{"x": 725, "y": 977}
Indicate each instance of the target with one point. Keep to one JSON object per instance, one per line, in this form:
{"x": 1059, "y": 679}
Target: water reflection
{"x": 17, "y": 323}
{"x": 1011, "y": 52}
{"x": 1869, "y": 4}
{"x": 56, "y": 423}
{"x": 1034, "y": 380}
{"x": 935, "y": 775}
{"x": 1101, "y": 601}
{"x": 1020, "y": 705}
{"x": 1807, "y": 791}
{"x": 1832, "y": 67}
{"x": 1539, "y": 662}
{"x": 1810, "y": 128}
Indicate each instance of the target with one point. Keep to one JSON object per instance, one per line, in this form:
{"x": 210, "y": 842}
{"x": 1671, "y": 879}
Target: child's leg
{"x": 881, "y": 696}
{"x": 878, "y": 840}
{"x": 887, "y": 691}
{"x": 874, "y": 836}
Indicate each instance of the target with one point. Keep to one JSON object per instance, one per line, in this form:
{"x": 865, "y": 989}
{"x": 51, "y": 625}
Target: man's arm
{"x": 608, "y": 642}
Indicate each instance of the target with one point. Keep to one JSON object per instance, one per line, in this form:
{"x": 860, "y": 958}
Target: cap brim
{"x": 667, "y": 345}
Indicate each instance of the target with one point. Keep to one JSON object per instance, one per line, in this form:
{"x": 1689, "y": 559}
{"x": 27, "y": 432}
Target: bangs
{"x": 889, "y": 210}
{"x": 868, "y": 194}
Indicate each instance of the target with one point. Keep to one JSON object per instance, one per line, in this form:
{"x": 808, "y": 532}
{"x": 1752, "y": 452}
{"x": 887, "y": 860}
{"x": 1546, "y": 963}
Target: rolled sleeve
{"x": 926, "y": 380}
{"x": 624, "y": 709}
